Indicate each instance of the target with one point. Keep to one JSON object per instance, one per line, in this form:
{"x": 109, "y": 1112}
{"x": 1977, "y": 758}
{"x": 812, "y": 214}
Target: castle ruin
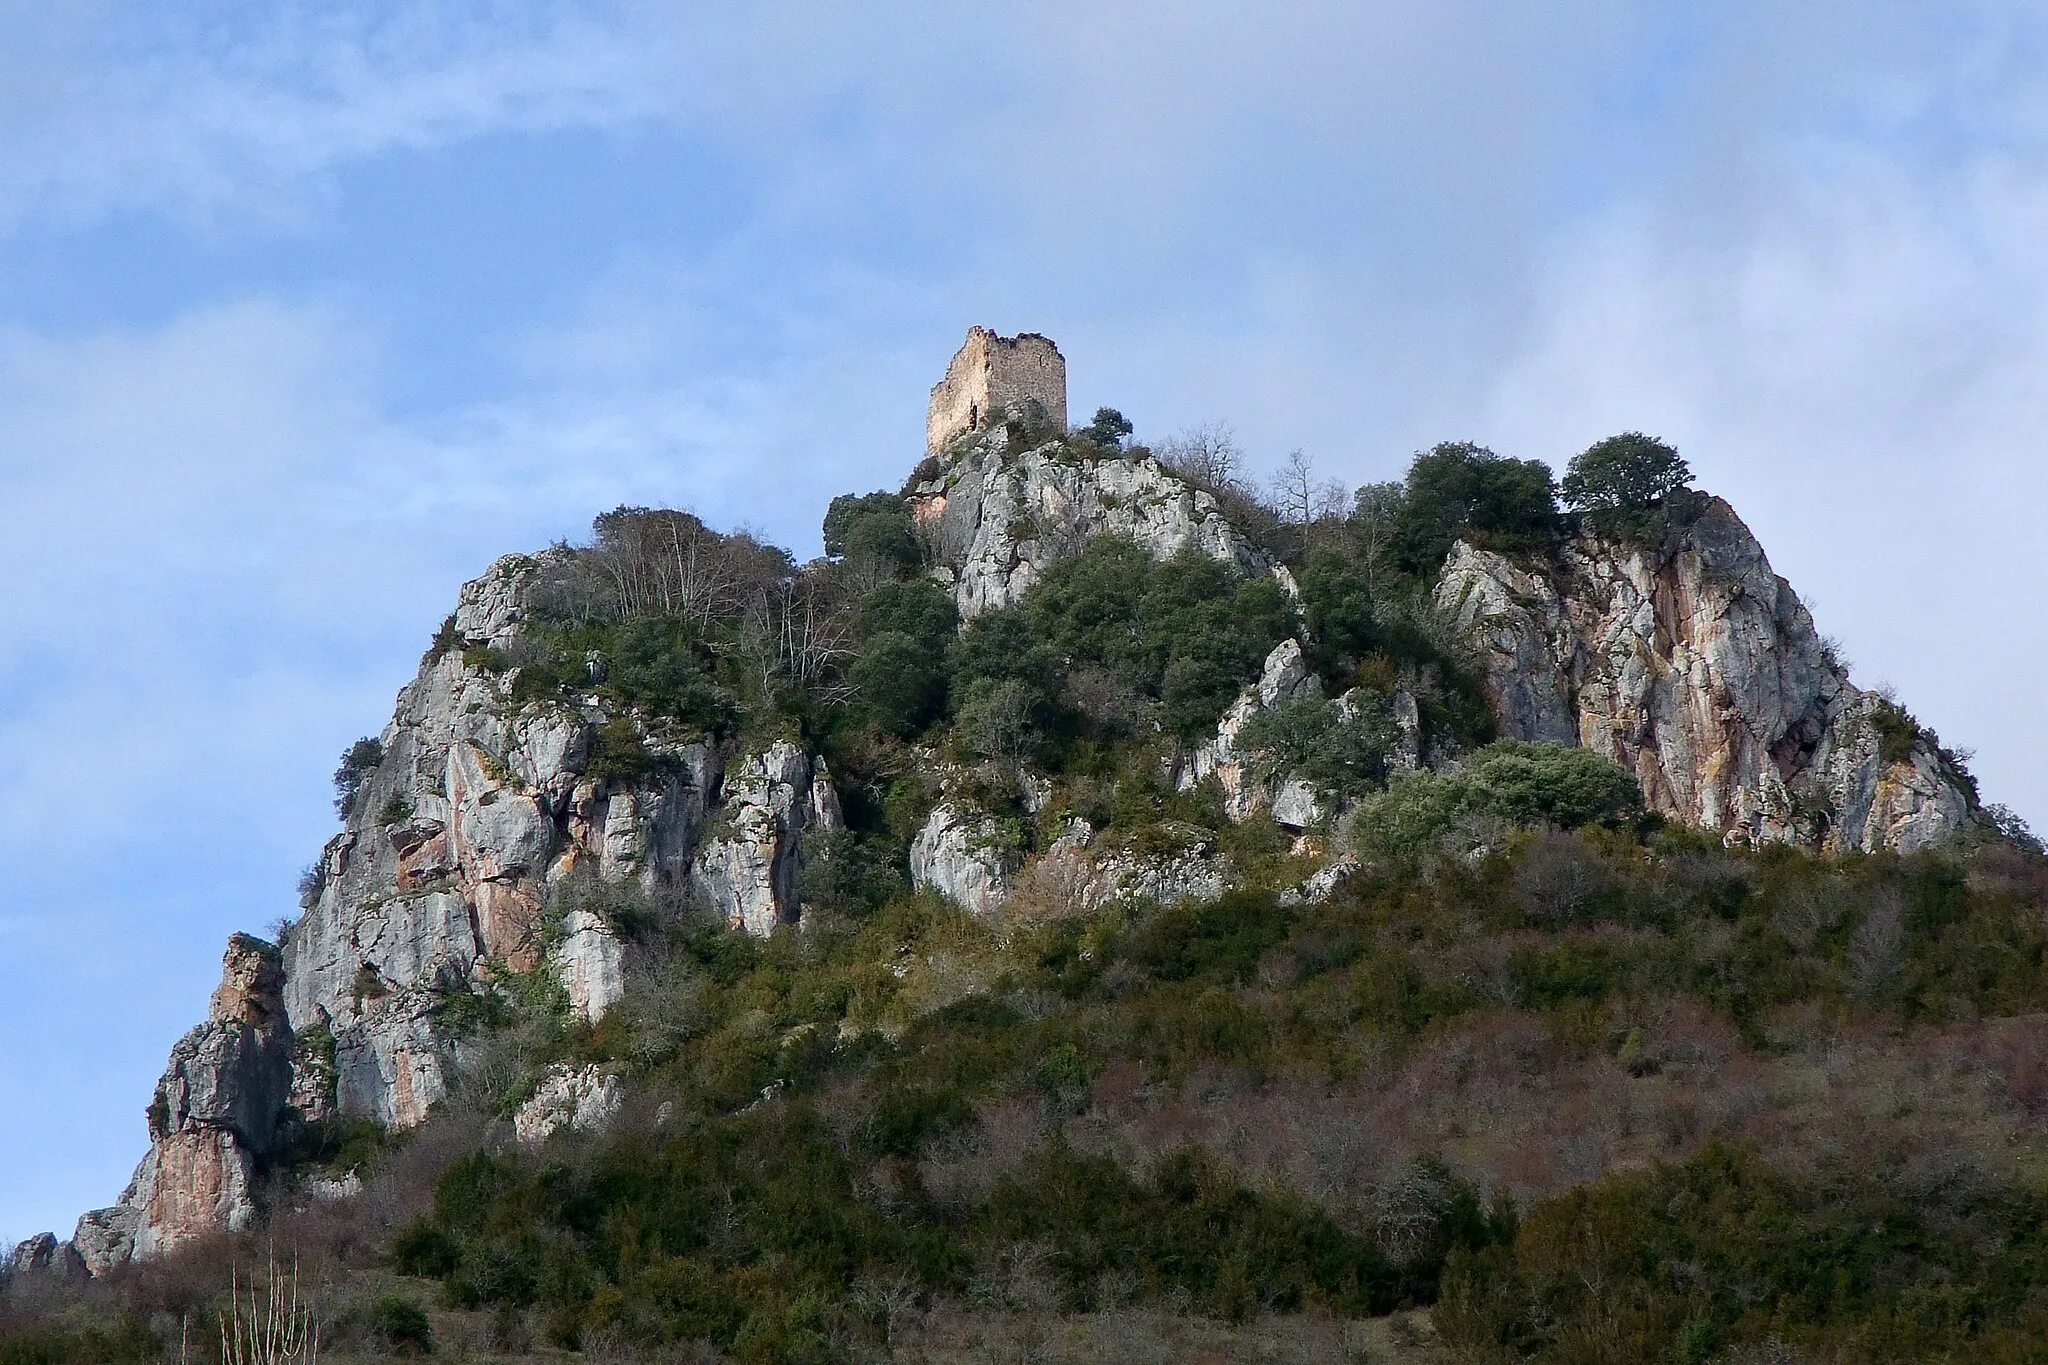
{"x": 990, "y": 373}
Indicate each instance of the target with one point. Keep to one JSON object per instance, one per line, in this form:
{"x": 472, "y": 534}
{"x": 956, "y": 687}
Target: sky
{"x": 309, "y": 311}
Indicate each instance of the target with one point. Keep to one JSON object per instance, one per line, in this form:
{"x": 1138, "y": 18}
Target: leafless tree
{"x": 815, "y": 633}
{"x": 1316, "y": 506}
{"x": 1208, "y": 454}
{"x": 660, "y": 562}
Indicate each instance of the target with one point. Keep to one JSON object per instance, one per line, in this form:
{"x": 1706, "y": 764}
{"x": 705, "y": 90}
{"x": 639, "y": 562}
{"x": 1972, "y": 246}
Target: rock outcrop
{"x": 1284, "y": 678}
{"x": 579, "y": 1099}
{"x": 479, "y": 807}
{"x": 747, "y": 869}
{"x": 999, "y": 520}
{"x": 1698, "y": 669}
{"x": 959, "y": 854}
{"x": 484, "y": 805}
{"x": 218, "y": 1113}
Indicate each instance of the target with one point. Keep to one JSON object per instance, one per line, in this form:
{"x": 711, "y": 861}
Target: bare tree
{"x": 1208, "y": 455}
{"x": 659, "y": 562}
{"x": 1300, "y": 497}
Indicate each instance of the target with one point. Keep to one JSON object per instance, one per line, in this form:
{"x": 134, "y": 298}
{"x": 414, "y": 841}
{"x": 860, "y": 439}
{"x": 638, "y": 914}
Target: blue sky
{"x": 308, "y": 312}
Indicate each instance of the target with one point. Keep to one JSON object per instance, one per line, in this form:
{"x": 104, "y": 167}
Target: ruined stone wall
{"x": 989, "y": 373}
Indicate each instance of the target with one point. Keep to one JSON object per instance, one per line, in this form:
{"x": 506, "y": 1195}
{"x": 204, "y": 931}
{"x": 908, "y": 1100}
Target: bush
{"x": 906, "y": 629}
{"x": 401, "y": 1327}
{"x": 1722, "y": 1249}
{"x": 1337, "y": 606}
{"x": 1185, "y": 634}
{"x": 1519, "y": 783}
{"x": 1555, "y": 784}
{"x": 875, "y": 527}
{"x": 1458, "y": 489}
{"x": 1317, "y": 740}
{"x": 358, "y": 762}
{"x": 1629, "y": 471}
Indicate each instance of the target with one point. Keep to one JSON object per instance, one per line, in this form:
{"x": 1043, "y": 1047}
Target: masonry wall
{"x": 989, "y": 373}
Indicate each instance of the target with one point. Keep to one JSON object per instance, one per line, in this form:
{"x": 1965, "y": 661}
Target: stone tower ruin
{"x": 990, "y": 373}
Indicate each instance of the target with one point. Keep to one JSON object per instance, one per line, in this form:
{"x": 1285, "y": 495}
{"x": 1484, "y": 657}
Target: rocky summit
{"x": 558, "y": 748}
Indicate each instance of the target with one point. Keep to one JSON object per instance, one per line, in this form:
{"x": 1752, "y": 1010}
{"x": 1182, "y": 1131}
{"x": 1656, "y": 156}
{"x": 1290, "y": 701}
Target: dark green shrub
{"x": 424, "y": 1249}
{"x": 1316, "y": 740}
{"x": 400, "y": 1326}
{"x": 1186, "y": 633}
{"x": 1555, "y": 784}
{"x": 901, "y": 682}
{"x": 1897, "y": 732}
{"x": 1220, "y": 940}
{"x": 620, "y": 753}
{"x": 358, "y": 762}
{"x": 875, "y": 527}
{"x": 1336, "y": 606}
{"x": 1458, "y": 489}
{"x": 900, "y": 1120}
{"x": 855, "y": 876}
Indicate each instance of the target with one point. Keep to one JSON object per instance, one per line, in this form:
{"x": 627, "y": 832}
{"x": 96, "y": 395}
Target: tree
{"x": 1336, "y": 605}
{"x": 875, "y": 527}
{"x": 1460, "y": 490}
{"x": 1109, "y": 428}
{"x": 1630, "y": 471}
{"x": 357, "y": 763}
{"x": 1300, "y": 496}
{"x": 1375, "y": 513}
{"x": 1207, "y": 455}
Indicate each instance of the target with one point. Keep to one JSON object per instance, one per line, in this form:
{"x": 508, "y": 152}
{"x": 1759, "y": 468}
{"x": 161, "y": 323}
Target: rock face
{"x": 957, "y": 854}
{"x": 747, "y": 869}
{"x": 1698, "y": 669}
{"x": 1285, "y": 677}
{"x": 218, "y": 1113}
{"x": 581, "y": 1099}
{"x": 1000, "y": 520}
{"x": 479, "y": 807}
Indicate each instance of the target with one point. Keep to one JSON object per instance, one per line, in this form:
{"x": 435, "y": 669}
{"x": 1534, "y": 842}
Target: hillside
{"x": 1100, "y": 911}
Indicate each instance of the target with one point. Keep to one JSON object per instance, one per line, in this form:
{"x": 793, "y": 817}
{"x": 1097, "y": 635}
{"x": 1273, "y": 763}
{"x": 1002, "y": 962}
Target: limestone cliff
{"x": 476, "y": 809}
{"x": 217, "y": 1114}
{"x": 1698, "y": 669}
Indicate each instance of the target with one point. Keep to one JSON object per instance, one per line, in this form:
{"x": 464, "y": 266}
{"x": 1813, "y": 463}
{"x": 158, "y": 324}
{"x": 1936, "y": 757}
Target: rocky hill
{"x": 1688, "y": 663}
{"x": 1055, "y": 681}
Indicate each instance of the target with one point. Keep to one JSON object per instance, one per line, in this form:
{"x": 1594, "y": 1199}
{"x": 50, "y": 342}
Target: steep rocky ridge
{"x": 442, "y": 879}
{"x": 1698, "y": 669}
